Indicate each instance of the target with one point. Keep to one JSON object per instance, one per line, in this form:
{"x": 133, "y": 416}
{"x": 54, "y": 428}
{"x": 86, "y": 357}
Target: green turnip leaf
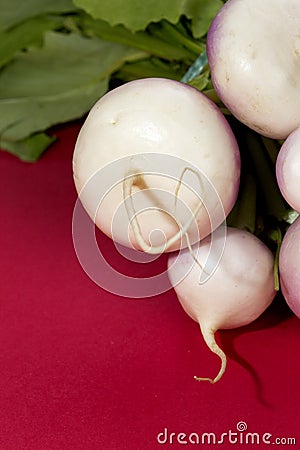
{"x": 16, "y": 11}
{"x": 30, "y": 148}
{"x": 56, "y": 83}
{"x": 136, "y": 14}
{"x": 202, "y": 13}
{"x": 26, "y": 33}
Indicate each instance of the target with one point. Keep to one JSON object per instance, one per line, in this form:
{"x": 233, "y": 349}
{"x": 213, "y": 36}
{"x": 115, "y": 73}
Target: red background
{"x": 83, "y": 369}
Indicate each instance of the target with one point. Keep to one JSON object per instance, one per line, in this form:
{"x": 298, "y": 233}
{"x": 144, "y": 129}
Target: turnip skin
{"x": 289, "y": 267}
{"x": 164, "y": 117}
{"x": 288, "y": 169}
{"x": 253, "y": 50}
{"x": 239, "y": 291}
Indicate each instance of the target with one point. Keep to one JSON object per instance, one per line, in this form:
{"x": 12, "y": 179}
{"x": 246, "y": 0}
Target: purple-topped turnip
{"x": 289, "y": 264}
{"x": 135, "y": 128}
{"x": 240, "y": 287}
{"x": 253, "y": 49}
{"x": 288, "y": 169}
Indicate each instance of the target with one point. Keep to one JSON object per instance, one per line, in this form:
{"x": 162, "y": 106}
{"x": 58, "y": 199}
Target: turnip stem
{"x": 137, "y": 179}
{"x": 144, "y": 41}
{"x": 196, "y": 68}
{"x": 190, "y": 248}
{"x": 265, "y": 174}
{"x": 272, "y": 147}
{"x": 173, "y": 33}
{"x": 243, "y": 215}
{"x": 209, "y": 338}
{"x": 276, "y": 236}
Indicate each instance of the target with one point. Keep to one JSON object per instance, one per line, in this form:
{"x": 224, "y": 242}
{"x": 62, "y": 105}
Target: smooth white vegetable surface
{"x": 160, "y": 117}
{"x": 239, "y": 290}
{"x": 288, "y": 169}
{"x": 253, "y": 49}
{"x": 289, "y": 264}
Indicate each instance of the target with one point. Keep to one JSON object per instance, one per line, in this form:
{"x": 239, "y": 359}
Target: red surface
{"x": 83, "y": 369}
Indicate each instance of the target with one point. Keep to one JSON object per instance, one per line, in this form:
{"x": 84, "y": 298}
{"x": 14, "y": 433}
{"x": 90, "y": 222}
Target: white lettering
{"x": 221, "y": 440}
{"x": 232, "y": 441}
{"x": 163, "y": 434}
{"x": 266, "y": 438}
{"x": 195, "y": 436}
{"x": 171, "y": 437}
{"x": 209, "y": 437}
{"x": 180, "y": 438}
{"x": 254, "y": 438}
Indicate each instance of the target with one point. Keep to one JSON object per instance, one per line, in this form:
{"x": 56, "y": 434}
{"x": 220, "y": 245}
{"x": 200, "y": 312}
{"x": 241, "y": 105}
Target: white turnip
{"x": 240, "y": 288}
{"x": 253, "y": 49}
{"x": 288, "y": 169}
{"x": 134, "y": 128}
{"x": 289, "y": 263}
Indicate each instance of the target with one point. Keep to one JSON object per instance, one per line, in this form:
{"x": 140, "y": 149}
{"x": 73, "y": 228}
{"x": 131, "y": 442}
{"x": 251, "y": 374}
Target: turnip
{"x": 253, "y": 49}
{"x": 288, "y": 169}
{"x": 171, "y": 150}
{"x": 240, "y": 287}
{"x": 289, "y": 263}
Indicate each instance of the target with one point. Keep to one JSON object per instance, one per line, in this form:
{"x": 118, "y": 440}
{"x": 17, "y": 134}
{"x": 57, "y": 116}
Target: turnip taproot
{"x": 253, "y": 50}
{"x": 139, "y": 121}
{"x": 288, "y": 169}
{"x": 237, "y": 292}
{"x": 289, "y": 264}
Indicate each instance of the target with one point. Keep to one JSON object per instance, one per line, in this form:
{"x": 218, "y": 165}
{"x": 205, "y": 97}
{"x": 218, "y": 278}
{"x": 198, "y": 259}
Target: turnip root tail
{"x": 209, "y": 337}
{"x": 187, "y": 169}
{"x": 190, "y": 169}
{"x": 136, "y": 179}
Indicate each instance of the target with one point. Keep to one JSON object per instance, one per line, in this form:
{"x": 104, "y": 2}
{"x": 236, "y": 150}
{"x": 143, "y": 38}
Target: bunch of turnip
{"x": 177, "y": 165}
{"x": 253, "y": 50}
{"x": 133, "y": 128}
